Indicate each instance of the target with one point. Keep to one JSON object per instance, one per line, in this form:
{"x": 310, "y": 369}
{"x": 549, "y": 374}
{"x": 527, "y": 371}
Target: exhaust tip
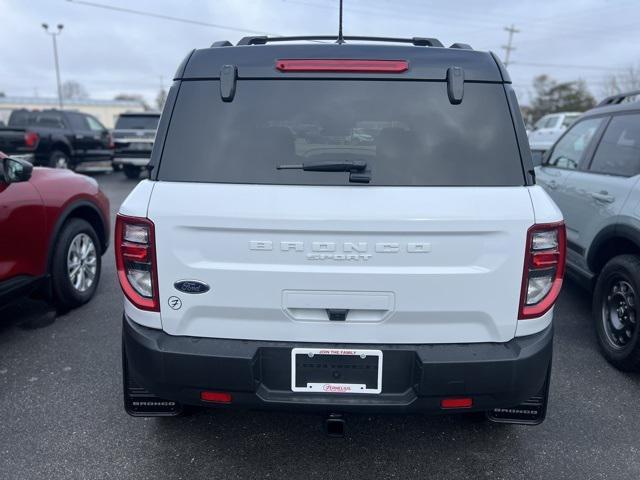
{"x": 334, "y": 425}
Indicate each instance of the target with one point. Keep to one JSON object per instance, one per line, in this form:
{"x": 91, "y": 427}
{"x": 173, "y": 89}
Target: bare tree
{"x": 72, "y": 90}
{"x": 627, "y": 80}
{"x": 551, "y": 96}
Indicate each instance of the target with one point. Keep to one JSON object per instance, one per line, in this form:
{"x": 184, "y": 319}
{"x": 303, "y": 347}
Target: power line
{"x": 509, "y": 46}
{"x": 560, "y": 65}
{"x": 167, "y": 17}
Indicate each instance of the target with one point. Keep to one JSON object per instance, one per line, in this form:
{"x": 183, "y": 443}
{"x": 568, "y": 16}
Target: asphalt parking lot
{"x": 62, "y": 416}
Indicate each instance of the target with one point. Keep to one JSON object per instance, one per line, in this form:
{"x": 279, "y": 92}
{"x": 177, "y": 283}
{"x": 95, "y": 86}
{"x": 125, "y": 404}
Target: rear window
{"x": 137, "y": 122}
{"x": 407, "y": 132}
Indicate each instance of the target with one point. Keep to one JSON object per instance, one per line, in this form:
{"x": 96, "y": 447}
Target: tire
{"x": 59, "y": 159}
{"x": 131, "y": 171}
{"x": 72, "y": 290}
{"x": 616, "y": 311}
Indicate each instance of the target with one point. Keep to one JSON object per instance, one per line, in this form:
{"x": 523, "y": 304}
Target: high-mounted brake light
{"x": 544, "y": 266}
{"x": 136, "y": 261}
{"x": 340, "y": 65}
{"x": 31, "y": 140}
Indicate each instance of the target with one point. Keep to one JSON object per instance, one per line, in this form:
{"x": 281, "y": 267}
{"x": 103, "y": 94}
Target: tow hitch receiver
{"x": 335, "y": 425}
{"x": 531, "y": 412}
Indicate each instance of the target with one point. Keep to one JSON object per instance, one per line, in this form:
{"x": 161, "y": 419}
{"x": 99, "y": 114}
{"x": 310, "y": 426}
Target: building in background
{"x": 106, "y": 111}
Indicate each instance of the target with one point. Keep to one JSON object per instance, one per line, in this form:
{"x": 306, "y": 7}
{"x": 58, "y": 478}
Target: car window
{"x": 78, "y": 122}
{"x": 619, "y": 150}
{"x": 552, "y": 121}
{"x": 569, "y": 120}
{"x": 19, "y": 119}
{"x": 540, "y": 123}
{"x": 94, "y": 124}
{"x": 408, "y": 133}
{"x": 569, "y": 150}
{"x": 49, "y": 121}
{"x": 137, "y": 122}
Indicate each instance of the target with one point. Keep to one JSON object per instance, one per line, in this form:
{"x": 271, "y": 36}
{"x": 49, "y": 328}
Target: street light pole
{"x": 55, "y": 56}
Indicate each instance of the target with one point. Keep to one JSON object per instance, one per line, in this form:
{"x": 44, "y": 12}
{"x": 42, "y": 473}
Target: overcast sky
{"x": 111, "y": 52}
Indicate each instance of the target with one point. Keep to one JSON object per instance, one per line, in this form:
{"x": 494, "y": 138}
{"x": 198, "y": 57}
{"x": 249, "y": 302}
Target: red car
{"x": 54, "y": 229}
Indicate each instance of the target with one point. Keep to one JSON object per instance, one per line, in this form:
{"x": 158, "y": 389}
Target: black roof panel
{"x": 258, "y": 61}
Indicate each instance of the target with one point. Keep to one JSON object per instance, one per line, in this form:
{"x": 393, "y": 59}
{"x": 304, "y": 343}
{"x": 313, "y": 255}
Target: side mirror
{"x": 16, "y": 170}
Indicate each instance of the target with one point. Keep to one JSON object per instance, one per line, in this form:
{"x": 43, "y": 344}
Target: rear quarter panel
{"x": 61, "y": 192}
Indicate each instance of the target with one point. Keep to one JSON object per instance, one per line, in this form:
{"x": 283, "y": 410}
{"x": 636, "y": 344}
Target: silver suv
{"x": 592, "y": 173}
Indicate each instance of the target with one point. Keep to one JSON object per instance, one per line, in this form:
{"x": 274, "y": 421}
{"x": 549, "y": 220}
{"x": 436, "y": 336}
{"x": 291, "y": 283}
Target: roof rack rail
{"x": 618, "y": 98}
{"x": 418, "y": 41}
{"x": 222, "y": 43}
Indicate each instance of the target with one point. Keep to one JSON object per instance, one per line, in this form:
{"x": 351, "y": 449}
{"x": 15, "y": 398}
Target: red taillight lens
{"x": 340, "y": 65}
{"x": 216, "y": 397}
{"x": 136, "y": 261}
{"x": 110, "y": 141}
{"x": 458, "y": 402}
{"x": 544, "y": 265}
{"x": 31, "y": 140}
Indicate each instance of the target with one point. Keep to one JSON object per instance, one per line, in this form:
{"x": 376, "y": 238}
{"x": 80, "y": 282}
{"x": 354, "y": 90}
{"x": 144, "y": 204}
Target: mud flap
{"x": 531, "y": 412}
{"x": 139, "y": 402}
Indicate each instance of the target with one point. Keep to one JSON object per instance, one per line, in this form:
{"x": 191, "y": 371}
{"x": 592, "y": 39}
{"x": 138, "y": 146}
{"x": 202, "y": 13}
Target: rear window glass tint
{"x": 137, "y": 122}
{"x": 619, "y": 150}
{"x": 407, "y": 132}
{"x": 78, "y": 122}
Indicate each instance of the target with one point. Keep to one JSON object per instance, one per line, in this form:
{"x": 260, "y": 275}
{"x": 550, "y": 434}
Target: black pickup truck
{"x": 60, "y": 138}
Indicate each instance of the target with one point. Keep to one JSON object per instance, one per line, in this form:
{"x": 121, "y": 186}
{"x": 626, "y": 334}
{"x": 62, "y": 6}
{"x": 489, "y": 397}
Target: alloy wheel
{"x": 82, "y": 262}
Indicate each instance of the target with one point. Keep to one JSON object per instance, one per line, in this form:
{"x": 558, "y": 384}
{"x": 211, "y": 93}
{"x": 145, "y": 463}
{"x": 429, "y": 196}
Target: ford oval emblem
{"x": 191, "y": 286}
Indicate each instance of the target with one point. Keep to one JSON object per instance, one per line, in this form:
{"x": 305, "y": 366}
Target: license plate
{"x": 328, "y": 370}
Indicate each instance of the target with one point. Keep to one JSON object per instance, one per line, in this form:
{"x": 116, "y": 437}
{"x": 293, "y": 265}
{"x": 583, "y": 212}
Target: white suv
{"x": 274, "y": 260}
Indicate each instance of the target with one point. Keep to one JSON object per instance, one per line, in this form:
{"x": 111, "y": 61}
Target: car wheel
{"x": 131, "y": 171}
{"x": 615, "y": 312}
{"x": 59, "y": 159}
{"x": 76, "y": 264}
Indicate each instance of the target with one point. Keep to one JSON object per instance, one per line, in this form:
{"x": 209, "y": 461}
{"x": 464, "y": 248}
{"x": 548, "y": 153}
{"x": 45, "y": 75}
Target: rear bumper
{"x": 138, "y": 161}
{"x": 415, "y": 378}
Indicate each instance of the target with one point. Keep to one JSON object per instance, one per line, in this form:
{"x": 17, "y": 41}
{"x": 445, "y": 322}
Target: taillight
{"x": 136, "y": 261}
{"x": 31, "y": 140}
{"x": 342, "y": 65}
{"x": 544, "y": 265}
{"x": 111, "y": 144}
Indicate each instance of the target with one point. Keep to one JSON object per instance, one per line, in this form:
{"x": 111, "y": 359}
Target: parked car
{"x": 592, "y": 173}
{"x": 133, "y": 141}
{"x": 547, "y": 130}
{"x": 414, "y": 274}
{"x": 55, "y": 228}
{"x": 64, "y": 138}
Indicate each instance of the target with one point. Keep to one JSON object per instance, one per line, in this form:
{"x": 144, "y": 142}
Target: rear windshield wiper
{"x": 338, "y": 166}
{"x": 357, "y": 169}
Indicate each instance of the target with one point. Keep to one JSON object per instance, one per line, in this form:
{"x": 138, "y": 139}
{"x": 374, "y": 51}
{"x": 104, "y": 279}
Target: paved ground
{"x": 62, "y": 417}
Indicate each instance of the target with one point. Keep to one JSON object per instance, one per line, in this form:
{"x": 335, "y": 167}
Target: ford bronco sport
{"x": 592, "y": 173}
{"x": 340, "y": 227}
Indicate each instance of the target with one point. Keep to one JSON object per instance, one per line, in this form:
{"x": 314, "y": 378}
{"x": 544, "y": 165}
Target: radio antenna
{"x": 340, "y": 37}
